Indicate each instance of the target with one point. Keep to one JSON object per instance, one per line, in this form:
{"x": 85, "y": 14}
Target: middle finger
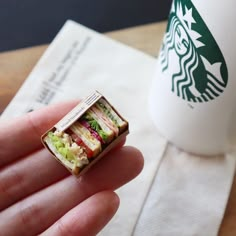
{"x": 27, "y": 176}
{"x": 30, "y": 174}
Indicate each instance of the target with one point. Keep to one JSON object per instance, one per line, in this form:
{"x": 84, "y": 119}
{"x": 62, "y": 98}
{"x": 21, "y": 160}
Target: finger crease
{"x": 29, "y": 217}
{"x": 7, "y": 188}
{"x": 63, "y": 229}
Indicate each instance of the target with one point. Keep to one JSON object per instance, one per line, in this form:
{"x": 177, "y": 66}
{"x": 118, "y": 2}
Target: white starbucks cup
{"x": 193, "y": 95}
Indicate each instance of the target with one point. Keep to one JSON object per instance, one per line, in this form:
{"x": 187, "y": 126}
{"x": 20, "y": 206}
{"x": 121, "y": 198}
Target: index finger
{"x": 21, "y": 136}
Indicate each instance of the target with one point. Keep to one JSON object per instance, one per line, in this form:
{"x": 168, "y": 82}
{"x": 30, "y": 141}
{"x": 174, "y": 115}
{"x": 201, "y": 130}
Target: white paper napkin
{"x": 188, "y": 195}
{"x": 176, "y": 194}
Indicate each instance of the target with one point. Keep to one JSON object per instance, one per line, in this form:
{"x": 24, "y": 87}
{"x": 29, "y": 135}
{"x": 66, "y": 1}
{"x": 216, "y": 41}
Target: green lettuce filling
{"x": 95, "y": 126}
{"x": 61, "y": 147}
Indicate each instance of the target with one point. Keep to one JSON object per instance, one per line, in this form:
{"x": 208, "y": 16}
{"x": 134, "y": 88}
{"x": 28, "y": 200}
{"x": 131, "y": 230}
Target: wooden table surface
{"x": 16, "y": 65}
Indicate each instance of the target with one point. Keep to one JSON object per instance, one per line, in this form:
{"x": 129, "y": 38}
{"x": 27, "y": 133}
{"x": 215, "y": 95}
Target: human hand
{"x": 38, "y": 195}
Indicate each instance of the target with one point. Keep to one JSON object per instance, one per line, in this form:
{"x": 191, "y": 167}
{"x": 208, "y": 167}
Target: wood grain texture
{"x": 228, "y": 225}
{"x": 15, "y": 66}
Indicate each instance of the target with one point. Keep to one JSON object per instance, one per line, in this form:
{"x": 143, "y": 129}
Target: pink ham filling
{"x": 106, "y": 120}
{"x": 93, "y": 132}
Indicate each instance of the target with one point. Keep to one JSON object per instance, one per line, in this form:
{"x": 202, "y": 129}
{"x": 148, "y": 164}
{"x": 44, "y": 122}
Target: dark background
{"x": 25, "y": 23}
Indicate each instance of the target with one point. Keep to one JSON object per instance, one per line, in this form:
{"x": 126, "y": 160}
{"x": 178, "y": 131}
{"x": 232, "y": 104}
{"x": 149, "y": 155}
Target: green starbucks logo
{"x": 201, "y": 73}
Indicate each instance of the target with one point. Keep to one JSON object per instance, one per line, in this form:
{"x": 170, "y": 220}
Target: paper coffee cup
{"x": 193, "y": 94}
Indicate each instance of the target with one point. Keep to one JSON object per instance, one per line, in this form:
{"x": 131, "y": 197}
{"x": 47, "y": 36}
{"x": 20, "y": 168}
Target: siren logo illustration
{"x": 202, "y": 73}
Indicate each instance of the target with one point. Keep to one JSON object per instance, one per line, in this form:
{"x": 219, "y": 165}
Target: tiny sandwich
{"x": 88, "y": 136}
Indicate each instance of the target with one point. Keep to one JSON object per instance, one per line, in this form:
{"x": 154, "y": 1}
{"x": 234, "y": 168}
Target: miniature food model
{"x": 93, "y": 128}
